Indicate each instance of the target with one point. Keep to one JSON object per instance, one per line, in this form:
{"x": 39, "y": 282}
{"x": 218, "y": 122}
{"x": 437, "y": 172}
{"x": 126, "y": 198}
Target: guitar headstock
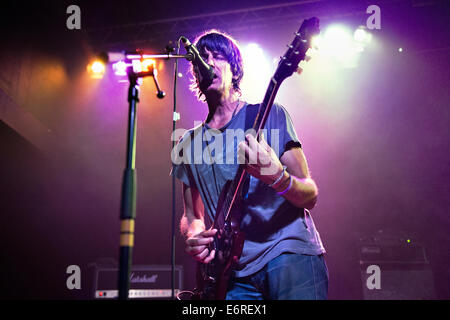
{"x": 297, "y": 49}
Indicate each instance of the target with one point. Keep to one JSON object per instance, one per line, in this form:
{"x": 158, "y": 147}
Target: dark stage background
{"x": 376, "y": 135}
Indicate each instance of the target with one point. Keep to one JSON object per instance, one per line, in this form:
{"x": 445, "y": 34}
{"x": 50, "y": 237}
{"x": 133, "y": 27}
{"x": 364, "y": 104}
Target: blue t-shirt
{"x": 206, "y": 158}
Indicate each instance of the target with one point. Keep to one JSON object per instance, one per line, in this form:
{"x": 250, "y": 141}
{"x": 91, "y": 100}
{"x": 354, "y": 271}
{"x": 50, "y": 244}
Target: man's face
{"x": 223, "y": 76}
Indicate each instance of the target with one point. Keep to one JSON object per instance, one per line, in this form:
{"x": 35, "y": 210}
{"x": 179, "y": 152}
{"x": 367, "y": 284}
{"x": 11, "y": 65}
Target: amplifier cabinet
{"x": 397, "y": 281}
{"x": 146, "y": 282}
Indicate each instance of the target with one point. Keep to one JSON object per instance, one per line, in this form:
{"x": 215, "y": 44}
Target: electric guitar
{"x": 213, "y": 278}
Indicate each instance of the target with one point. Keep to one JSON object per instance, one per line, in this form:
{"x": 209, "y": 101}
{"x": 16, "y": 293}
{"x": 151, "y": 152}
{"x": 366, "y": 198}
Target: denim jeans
{"x": 289, "y": 276}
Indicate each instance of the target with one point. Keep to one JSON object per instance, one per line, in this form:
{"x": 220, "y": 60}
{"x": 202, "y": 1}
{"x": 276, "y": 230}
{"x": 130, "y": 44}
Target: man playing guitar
{"x": 282, "y": 256}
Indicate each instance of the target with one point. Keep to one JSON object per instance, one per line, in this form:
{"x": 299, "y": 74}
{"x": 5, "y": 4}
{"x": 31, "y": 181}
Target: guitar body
{"x": 213, "y": 278}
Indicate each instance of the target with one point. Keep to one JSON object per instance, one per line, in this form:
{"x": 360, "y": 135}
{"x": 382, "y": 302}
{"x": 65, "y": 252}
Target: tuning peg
{"x": 299, "y": 70}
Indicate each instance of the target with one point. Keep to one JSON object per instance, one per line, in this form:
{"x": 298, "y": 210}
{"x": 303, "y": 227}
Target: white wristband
{"x": 279, "y": 178}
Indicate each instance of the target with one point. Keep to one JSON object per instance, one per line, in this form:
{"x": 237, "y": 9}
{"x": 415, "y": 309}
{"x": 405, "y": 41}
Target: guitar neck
{"x": 235, "y": 190}
{"x": 266, "y": 106}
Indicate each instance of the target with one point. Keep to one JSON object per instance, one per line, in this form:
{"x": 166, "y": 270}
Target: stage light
{"x": 257, "y": 68}
{"x": 147, "y": 63}
{"x": 138, "y": 65}
{"x": 317, "y": 42}
{"x": 400, "y": 49}
{"x": 338, "y": 37}
{"x": 362, "y": 36}
{"x": 96, "y": 69}
{"x": 120, "y": 68}
{"x": 335, "y": 41}
{"x": 253, "y": 48}
{"x": 339, "y": 46}
{"x": 142, "y": 65}
{"x": 338, "y": 43}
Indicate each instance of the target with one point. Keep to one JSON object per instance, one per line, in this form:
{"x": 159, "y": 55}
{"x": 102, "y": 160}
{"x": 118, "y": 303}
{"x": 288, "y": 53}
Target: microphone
{"x": 205, "y": 72}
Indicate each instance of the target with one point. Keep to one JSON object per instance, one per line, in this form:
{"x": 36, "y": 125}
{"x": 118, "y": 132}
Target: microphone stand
{"x": 128, "y": 202}
{"x": 129, "y": 182}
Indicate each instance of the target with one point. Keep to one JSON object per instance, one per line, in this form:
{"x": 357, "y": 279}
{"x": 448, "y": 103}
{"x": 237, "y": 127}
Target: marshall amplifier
{"x": 394, "y": 267}
{"x": 146, "y": 282}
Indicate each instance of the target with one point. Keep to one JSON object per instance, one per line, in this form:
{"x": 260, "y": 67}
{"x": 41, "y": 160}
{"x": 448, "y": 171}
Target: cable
{"x": 174, "y": 123}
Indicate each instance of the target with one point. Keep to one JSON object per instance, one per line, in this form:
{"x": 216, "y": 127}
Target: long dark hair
{"x": 215, "y": 40}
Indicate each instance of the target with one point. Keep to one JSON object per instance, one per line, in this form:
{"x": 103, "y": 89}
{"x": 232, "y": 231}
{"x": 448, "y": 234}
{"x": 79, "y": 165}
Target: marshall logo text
{"x": 143, "y": 278}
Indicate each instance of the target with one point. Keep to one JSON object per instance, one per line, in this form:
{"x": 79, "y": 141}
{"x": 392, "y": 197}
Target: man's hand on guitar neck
{"x": 295, "y": 184}
{"x": 259, "y": 158}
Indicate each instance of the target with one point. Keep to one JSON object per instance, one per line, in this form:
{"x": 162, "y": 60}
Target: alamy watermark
{"x": 374, "y": 20}
{"x": 74, "y": 280}
{"x": 74, "y": 20}
{"x": 374, "y": 280}
{"x": 213, "y": 146}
